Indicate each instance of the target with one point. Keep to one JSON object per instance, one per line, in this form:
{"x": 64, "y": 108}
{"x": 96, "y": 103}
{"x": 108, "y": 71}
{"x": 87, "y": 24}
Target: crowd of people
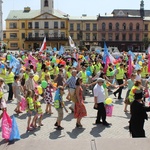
{"x": 30, "y": 77}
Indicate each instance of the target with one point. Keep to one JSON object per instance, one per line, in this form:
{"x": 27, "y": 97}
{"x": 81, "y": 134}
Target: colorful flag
{"x": 43, "y": 47}
{"x": 33, "y": 61}
{"x": 6, "y": 125}
{"x": 14, "y": 63}
{"x": 61, "y": 50}
{"x": 106, "y": 53}
{"x": 130, "y": 66}
{"x": 14, "y": 132}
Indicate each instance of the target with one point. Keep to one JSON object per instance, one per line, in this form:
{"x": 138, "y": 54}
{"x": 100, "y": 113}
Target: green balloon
{"x": 23, "y": 57}
{"x": 8, "y": 57}
{"x": 54, "y": 60}
{"x": 44, "y": 84}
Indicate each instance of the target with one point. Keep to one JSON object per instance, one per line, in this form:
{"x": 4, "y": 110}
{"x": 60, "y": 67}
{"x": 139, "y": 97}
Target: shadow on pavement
{"x": 56, "y": 134}
{"x": 75, "y": 132}
{"x": 97, "y": 130}
{"x": 27, "y": 134}
{"x": 3, "y": 142}
{"x": 69, "y": 117}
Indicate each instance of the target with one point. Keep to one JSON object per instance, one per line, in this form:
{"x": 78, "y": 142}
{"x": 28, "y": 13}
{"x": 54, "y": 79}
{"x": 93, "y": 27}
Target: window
{"x": 146, "y": 27}
{"x": 130, "y": 37}
{"x": 13, "y": 35}
{"x": 62, "y": 24}
{"x": 110, "y": 36}
{"x": 72, "y": 35}
{"x": 46, "y": 33}
{"x": 87, "y": 36}
{"x": 22, "y": 25}
{"x": 4, "y": 35}
{"x": 13, "y": 25}
{"x": 103, "y": 26}
{"x": 63, "y": 34}
{"x": 137, "y": 26}
{"x": 110, "y": 26}
{"x": 55, "y": 24}
{"x": 137, "y": 37}
{"x": 30, "y": 25}
{"x": 46, "y": 3}
{"x": 36, "y": 34}
{"x": 23, "y": 35}
{"x": 78, "y": 26}
{"x": 94, "y": 36}
{"x": 46, "y": 25}
{"x": 103, "y": 36}
{"x": 29, "y": 34}
{"x": 146, "y": 35}
{"x": 71, "y": 27}
{"x": 117, "y": 26}
{"x": 36, "y": 25}
{"x": 55, "y": 34}
{"x": 15, "y": 45}
{"x": 94, "y": 27}
{"x": 117, "y": 37}
{"x": 130, "y": 26}
{"x": 87, "y": 27}
{"x": 124, "y": 26}
{"x": 123, "y": 37}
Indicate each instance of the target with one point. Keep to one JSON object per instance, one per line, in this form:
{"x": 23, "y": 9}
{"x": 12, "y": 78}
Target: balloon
{"x": 57, "y": 61}
{"x": 140, "y": 63}
{"x": 23, "y": 57}
{"x": 8, "y": 57}
{"x": 36, "y": 78}
{"x": 63, "y": 63}
{"x": 108, "y": 101}
{"x": 54, "y": 60}
{"x": 54, "y": 84}
{"x": 55, "y": 49}
{"x": 2, "y": 66}
{"x": 47, "y": 63}
{"x": 44, "y": 84}
{"x": 39, "y": 89}
{"x": 88, "y": 73}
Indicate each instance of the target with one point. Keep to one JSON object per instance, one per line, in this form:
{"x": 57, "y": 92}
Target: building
{"x": 123, "y": 28}
{"x": 27, "y": 28}
{"x": 1, "y": 21}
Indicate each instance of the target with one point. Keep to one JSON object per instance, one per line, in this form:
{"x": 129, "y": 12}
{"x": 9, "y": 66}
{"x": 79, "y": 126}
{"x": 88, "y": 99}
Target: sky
{"x": 75, "y": 7}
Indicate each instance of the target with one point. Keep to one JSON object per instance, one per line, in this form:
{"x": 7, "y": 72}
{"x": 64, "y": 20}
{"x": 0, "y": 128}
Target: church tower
{"x": 142, "y": 12}
{"x": 47, "y": 6}
{"x": 1, "y": 21}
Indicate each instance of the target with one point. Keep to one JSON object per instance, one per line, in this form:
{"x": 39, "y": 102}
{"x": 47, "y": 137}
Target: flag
{"x": 106, "y": 53}
{"x": 129, "y": 66}
{"x": 43, "y": 47}
{"x": 148, "y": 63}
{"x": 61, "y": 50}
{"x": 106, "y": 64}
{"x": 132, "y": 55}
{"x": 71, "y": 42}
{"x": 14, "y": 132}
{"x": 14, "y": 62}
{"x": 6, "y": 125}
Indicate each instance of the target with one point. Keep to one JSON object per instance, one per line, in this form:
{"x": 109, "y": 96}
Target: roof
{"x": 83, "y": 17}
{"x": 20, "y": 14}
{"x": 133, "y": 12}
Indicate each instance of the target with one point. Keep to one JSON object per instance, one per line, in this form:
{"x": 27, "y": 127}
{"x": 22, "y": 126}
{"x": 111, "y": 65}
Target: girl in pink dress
{"x": 80, "y": 110}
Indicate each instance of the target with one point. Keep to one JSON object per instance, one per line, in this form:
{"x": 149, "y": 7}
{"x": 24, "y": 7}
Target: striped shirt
{"x": 71, "y": 82}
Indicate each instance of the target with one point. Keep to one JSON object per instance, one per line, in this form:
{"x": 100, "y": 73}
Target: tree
{"x": 146, "y": 42}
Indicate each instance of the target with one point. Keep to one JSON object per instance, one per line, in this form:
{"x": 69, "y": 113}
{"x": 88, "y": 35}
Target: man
{"x": 71, "y": 83}
{"x": 119, "y": 77}
{"x": 99, "y": 98}
{"x": 30, "y": 84}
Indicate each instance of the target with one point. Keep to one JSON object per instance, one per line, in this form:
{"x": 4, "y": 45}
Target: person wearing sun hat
{"x": 138, "y": 115}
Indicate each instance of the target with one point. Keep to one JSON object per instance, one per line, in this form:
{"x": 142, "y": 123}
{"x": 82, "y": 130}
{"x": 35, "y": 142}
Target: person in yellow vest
{"x": 120, "y": 75}
{"x": 68, "y": 73}
{"x": 97, "y": 66}
{"x": 30, "y": 109}
{"x": 9, "y": 80}
{"x": 39, "y": 67}
{"x": 44, "y": 72}
{"x": 144, "y": 73}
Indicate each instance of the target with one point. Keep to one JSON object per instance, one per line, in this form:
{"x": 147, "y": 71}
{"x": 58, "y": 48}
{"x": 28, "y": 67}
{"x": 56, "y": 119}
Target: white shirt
{"x": 99, "y": 92}
{"x": 138, "y": 77}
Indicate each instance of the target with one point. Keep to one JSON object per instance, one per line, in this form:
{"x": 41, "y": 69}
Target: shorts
{"x": 60, "y": 114}
{"x": 32, "y": 113}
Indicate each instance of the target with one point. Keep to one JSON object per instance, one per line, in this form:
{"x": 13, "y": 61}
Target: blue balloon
{"x": 55, "y": 49}
{"x": 2, "y": 66}
{"x": 88, "y": 73}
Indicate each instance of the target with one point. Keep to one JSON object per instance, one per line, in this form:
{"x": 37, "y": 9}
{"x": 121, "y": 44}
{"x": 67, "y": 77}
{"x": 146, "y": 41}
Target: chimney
{"x": 27, "y": 9}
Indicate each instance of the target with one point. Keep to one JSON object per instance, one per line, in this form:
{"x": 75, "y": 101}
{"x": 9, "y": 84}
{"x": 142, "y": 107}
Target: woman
{"x": 48, "y": 98}
{"x": 80, "y": 110}
{"x": 138, "y": 116}
{"x": 17, "y": 89}
{"x": 2, "y": 100}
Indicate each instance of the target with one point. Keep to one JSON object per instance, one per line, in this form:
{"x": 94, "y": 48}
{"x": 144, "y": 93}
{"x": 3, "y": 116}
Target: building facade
{"x": 1, "y": 21}
{"x": 123, "y": 28}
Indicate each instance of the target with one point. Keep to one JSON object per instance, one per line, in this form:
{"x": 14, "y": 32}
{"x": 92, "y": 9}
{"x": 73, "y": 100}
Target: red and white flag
{"x": 43, "y": 47}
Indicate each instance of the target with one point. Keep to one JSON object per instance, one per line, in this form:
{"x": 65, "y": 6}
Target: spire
{"x": 47, "y": 6}
{"x": 142, "y": 12}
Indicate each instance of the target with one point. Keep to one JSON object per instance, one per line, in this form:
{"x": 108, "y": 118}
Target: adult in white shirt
{"x": 99, "y": 98}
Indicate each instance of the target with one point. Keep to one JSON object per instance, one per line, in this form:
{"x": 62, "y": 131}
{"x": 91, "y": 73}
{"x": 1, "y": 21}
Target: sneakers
{"x": 59, "y": 128}
{"x": 29, "y": 129}
{"x": 56, "y": 124}
{"x": 78, "y": 125}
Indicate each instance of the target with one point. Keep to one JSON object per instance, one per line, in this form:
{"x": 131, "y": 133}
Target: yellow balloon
{"x": 36, "y": 78}
{"x": 108, "y": 101}
{"x": 140, "y": 63}
{"x": 40, "y": 90}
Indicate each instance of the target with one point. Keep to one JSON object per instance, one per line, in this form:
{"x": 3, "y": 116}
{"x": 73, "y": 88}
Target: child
{"x": 2, "y": 100}
{"x": 30, "y": 109}
{"x": 59, "y": 105}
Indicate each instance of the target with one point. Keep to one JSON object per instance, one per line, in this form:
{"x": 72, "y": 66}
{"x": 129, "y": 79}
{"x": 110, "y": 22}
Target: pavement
{"x": 90, "y": 137}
